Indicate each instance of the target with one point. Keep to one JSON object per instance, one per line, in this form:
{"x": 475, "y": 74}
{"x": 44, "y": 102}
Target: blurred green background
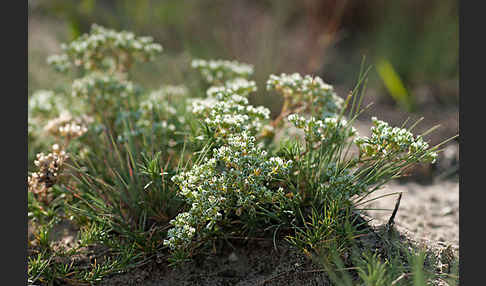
{"x": 412, "y": 45}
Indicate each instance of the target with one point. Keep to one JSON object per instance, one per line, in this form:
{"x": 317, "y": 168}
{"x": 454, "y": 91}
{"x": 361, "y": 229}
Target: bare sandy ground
{"x": 427, "y": 211}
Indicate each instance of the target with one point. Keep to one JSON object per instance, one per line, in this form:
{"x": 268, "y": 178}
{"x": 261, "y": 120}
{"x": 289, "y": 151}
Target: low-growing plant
{"x": 151, "y": 171}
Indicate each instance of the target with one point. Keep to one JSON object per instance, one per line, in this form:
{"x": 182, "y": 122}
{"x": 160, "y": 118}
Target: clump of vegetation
{"x": 147, "y": 172}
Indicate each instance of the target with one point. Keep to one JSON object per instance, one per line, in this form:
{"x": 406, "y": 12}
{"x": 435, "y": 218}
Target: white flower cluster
{"x": 330, "y": 129}
{"x": 296, "y": 84}
{"x": 159, "y": 101}
{"x": 67, "y": 126}
{"x": 237, "y": 178}
{"x": 220, "y": 71}
{"x": 310, "y": 89}
{"x": 100, "y": 86}
{"x": 60, "y": 62}
{"x": 395, "y": 141}
{"x": 159, "y": 116}
{"x": 49, "y": 168}
{"x": 101, "y": 93}
{"x": 201, "y": 106}
{"x": 240, "y": 86}
{"x": 44, "y": 102}
{"x": 105, "y": 49}
{"x": 226, "y": 109}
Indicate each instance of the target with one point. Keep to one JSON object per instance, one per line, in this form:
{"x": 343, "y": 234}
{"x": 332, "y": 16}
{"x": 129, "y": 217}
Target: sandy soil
{"x": 430, "y": 211}
{"x": 249, "y": 263}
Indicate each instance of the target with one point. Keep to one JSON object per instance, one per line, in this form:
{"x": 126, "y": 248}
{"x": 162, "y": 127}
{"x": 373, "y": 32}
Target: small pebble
{"x": 232, "y": 257}
{"x": 447, "y": 211}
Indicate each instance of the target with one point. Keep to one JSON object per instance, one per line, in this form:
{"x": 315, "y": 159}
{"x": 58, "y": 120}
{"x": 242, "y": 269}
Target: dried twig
{"x": 391, "y": 221}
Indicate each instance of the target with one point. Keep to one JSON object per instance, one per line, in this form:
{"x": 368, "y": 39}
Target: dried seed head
{"x": 66, "y": 126}
{"x": 49, "y": 168}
